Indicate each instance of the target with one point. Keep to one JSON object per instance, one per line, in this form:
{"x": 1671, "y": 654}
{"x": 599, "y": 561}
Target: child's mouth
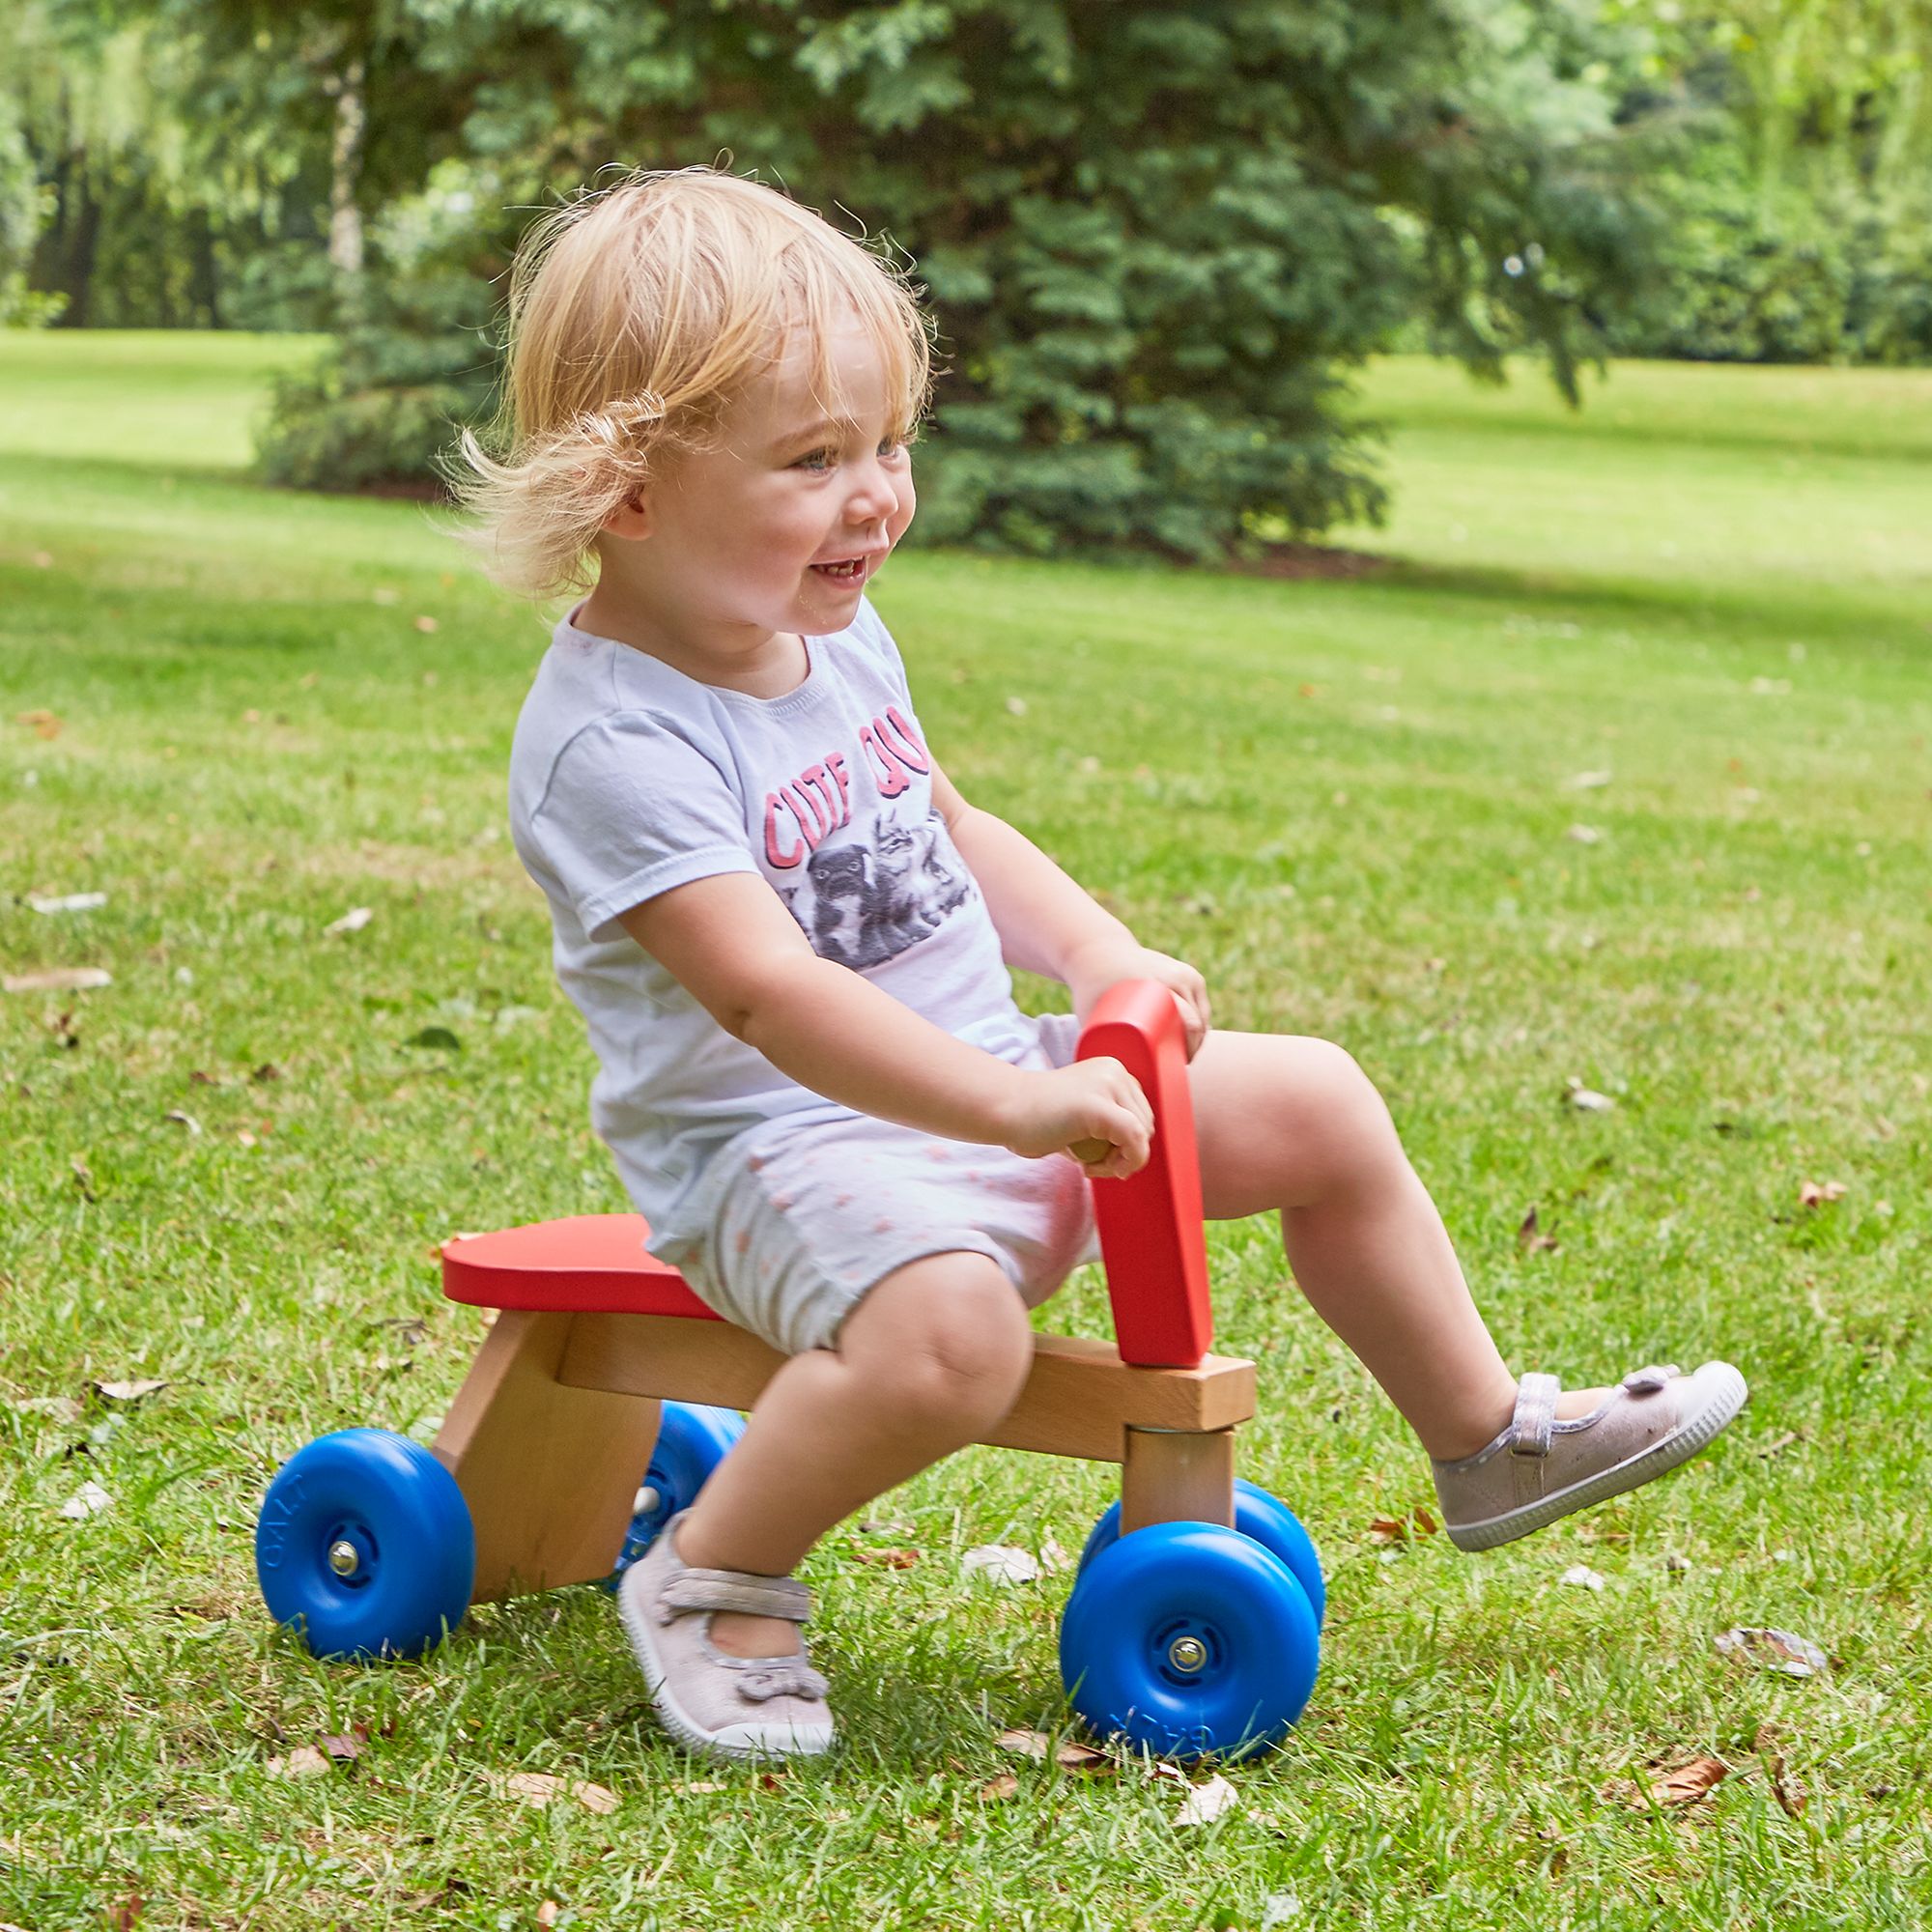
{"x": 851, "y": 571}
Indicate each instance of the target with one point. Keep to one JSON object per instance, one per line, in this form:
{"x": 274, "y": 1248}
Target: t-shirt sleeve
{"x": 630, "y": 810}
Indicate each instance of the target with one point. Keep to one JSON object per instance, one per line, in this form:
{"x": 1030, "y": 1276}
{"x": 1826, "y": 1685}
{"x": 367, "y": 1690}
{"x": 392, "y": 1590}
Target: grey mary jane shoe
{"x": 721, "y": 1705}
{"x": 1540, "y": 1468}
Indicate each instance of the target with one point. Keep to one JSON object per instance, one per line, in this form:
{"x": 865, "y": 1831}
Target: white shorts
{"x": 814, "y": 1216}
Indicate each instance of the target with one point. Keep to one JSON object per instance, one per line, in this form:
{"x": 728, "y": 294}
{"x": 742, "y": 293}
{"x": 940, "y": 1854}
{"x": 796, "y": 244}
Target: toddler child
{"x": 788, "y": 935}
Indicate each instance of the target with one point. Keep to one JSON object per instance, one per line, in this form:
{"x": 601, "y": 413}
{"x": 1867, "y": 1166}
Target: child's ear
{"x": 632, "y": 518}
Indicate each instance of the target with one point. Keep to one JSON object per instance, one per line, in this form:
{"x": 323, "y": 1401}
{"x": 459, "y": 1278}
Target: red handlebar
{"x": 1151, "y": 1236}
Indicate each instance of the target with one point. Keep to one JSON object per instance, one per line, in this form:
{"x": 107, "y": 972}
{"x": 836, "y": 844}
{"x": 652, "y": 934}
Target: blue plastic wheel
{"x": 691, "y": 1441}
{"x": 365, "y": 1546}
{"x": 1267, "y": 1518}
{"x": 1190, "y": 1641}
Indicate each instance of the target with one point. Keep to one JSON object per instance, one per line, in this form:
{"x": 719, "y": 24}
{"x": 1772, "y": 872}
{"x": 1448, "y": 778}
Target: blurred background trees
{"x": 1157, "y": 238}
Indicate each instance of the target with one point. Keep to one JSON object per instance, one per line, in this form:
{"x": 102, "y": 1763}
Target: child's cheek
{"x": 898, "y": 524}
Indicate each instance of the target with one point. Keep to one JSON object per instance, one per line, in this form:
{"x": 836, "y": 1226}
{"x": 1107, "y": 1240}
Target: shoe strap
{"x": 1535, "y": 1414}
{"x": 734, "y": 1590}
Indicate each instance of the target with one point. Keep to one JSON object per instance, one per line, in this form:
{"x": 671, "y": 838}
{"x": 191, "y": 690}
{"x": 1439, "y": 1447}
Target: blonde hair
{"x": 637, "y": 314}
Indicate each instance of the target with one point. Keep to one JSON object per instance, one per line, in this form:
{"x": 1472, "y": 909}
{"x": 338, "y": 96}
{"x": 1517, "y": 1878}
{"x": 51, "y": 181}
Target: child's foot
{"x": 1541, "y": 1468}
{"x": 732, "y": 1707}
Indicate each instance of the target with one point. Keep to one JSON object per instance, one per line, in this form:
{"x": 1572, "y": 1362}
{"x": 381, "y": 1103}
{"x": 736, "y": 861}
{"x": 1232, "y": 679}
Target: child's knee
{"x": 943, "y": 1338}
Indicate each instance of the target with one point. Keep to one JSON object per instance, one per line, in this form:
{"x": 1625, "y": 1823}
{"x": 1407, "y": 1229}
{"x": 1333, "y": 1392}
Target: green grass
{"x": 1349, "y": 803}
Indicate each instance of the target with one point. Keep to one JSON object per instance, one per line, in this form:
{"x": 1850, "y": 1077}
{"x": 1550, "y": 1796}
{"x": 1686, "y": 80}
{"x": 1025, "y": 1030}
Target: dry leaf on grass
{"x": 1583, "y": 1576}
{"x": 1206, "y": 1802}
{"x": 1530, "y": 1241}
{"x": 996, "y": 1790}
{"x": 1387, "y": 1530}
{"x": 1029, "y": 1744}
{"x": 999, "y": 1563}
{"x": 352, "y": 921}
{"x": 127, "y": 1392}
{"x": 58, "y": 980}
{"x": 1815, "y": 1194}
{"x": 1084, "y": 1759}
{"x": 67, "y": 902}
{"x": 177, "y": 1118}
{"x": 1789, "y": 1793}
{"x": 886, "y": 1558}
{"x": 543, "y": 1788}
{"x": 1777, "y": 1650}
{"x": 90, "y": 1499}
{"x": 1688, "y": 1782}
{"x": 44, "y": 724}
{"x": 305, "y": 1761}
{"x": 1586, "y": 1100}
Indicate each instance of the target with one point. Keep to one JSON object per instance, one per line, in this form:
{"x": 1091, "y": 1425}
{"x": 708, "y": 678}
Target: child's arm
{"x": 729, "y": 941}
{"x": 1048, "y": 923}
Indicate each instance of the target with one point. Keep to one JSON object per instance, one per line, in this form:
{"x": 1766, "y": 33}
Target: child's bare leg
{"x": 934, "y": 1357}
{"x": 1293, "y": 1123}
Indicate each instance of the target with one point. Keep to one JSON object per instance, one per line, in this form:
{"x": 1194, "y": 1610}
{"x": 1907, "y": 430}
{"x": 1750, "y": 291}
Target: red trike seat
{"x": 587, "y": 1263}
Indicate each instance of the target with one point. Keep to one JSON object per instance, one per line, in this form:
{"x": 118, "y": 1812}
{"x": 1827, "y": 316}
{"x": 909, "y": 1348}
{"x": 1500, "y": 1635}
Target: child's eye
{"x": 817, "y": 459}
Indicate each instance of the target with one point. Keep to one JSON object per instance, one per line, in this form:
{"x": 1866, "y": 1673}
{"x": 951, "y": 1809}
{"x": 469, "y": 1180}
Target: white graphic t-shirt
{"x": 628, "y": 778}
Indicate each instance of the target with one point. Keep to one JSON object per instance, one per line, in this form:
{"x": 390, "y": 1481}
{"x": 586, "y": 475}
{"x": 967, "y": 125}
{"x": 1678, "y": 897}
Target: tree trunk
{"x": 345, "y": 216}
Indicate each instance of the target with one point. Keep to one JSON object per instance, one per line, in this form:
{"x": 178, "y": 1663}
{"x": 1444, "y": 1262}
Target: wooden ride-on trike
{"x": 1192, "y": 1628}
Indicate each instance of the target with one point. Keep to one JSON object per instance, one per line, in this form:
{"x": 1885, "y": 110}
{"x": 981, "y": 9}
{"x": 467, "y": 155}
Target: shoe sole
{"x": 1663, "y": 1454}
{"x": 637, "y": 1627}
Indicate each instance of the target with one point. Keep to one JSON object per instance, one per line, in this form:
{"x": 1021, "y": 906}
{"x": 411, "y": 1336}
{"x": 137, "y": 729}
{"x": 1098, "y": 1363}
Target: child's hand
{"x": 1093, "y": 1102}
{"x": 1091, "y": 971}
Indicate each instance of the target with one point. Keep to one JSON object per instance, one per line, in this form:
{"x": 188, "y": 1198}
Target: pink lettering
{"x": 892, "y": 774}
{"x": 801, "y": 802}
{"x": 783, "y": 860}
{"x": 834, "y": 763}
{"x": 915, "y": 754}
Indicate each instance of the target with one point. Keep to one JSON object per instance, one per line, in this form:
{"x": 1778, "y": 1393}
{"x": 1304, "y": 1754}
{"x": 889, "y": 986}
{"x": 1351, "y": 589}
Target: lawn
{"x": 1615, "y": 772}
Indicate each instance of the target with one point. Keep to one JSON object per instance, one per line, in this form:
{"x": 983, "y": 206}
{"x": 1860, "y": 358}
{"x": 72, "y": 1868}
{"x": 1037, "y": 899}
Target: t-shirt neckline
{"x": 806, "y": 689}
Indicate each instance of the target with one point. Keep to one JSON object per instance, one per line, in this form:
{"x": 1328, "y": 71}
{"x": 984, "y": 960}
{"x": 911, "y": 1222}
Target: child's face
{"x": 782, "y": 524}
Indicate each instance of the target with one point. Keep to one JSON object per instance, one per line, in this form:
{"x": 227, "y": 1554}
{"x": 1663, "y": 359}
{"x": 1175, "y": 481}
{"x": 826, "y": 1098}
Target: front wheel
{"x": 1190, "y": 1641}
{"x": 365, "y": 1546}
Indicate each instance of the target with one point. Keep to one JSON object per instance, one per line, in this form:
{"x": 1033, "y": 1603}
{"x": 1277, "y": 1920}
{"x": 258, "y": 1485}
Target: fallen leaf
{"x": 1583, "y": 1576}
{"x": 1054, "y": 1557}
{"x": 90, "y": 1499}
{"x": 1084, "y": 1759}
{"x": 83, "y": 1177}
{"x": 58, "y": 980}
{"x": 68, "y": 902}
{"x": 1206, "y": 1802}
{"x": 1586, "y": 1098}
{"x": 1766, "y": 1450}
{"x": 1777, "y": 1650}
{"x": 1387, "y": 1530}
{"x": 1016, "y": 706}
{"x": 999, "y": 1563}
{"x": 305, "y": 1761}
{"x": 1812, "y": 1195}
{"x": 352, "y": 921}
{"x": 1587, "y": 782}
{"x": 178, "y": 1118}
{"x": 1029, "y": 1744}
{"x": 45, "y": 723}
{"x": 888, "y": 1559}
{"x": 1529, "y": 1242}
{"x": 128, "y": 1392}
{"x": 1791, "y": 1796}
{"x": 427, "y": 625}
{"x": 699, "y": 1789}
{"x": 1584, "y": 834}
{"x": 543, "y": 1788}
{"x": 546, "y": 1912}
{"x": 996, "y": 1790}
{"x": 267, "y": 1072}
{"x": 1425, "y": 1523}
{"x": 127, "y": 1914}
{"x": 341, "y": 1748}
{"x": 1688, "y": 1782}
